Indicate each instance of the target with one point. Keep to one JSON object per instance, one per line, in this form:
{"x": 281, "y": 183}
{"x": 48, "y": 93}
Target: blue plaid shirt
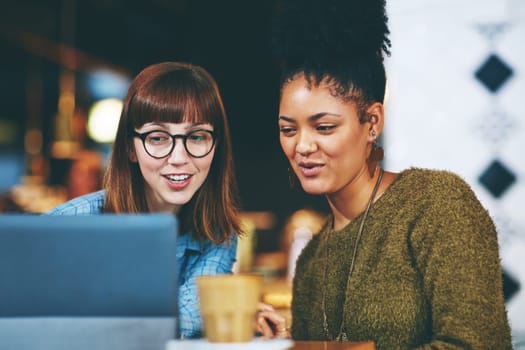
{"x": 195, "y": 258}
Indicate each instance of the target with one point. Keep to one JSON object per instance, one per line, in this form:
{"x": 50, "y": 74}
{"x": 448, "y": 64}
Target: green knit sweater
{"x": 427, "y": 273}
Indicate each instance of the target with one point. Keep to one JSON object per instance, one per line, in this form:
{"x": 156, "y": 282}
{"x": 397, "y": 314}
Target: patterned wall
{"x": 455, "y": 101}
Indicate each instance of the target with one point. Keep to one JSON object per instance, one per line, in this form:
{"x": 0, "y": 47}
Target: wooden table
{"x": 332, "y": 345}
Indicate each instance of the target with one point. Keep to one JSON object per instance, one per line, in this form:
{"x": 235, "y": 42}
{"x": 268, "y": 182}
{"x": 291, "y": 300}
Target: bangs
{"x": 177, "y": 97}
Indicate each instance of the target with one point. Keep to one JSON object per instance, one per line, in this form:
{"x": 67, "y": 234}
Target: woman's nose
{"x": 178, "y": 154}
{"x": 306, "y": 143}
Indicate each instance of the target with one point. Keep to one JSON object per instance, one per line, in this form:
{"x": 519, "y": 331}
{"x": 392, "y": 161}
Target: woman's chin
{"x": 312, "y": 189}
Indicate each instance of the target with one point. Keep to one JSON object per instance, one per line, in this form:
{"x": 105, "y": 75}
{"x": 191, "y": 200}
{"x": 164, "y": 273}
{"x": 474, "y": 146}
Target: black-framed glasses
{"x": 159, "y": 143}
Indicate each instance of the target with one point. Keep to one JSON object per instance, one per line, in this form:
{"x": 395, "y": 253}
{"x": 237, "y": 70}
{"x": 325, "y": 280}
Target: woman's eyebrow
{"x": 154, "y": 124}
{"x": 322, "y": 114}
{"x": 286, "y": 119}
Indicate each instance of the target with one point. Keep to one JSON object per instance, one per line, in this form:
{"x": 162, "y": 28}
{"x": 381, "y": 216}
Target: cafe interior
{"x": 65, "y": 66}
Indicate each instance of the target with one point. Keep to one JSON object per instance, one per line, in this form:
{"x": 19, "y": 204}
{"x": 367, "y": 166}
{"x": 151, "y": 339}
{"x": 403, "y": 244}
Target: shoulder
{"x": 438, "y": 198}
{"x": 428, "y": 195}
{"x": 433, "y": 183}
{"x": 89, "y": 204}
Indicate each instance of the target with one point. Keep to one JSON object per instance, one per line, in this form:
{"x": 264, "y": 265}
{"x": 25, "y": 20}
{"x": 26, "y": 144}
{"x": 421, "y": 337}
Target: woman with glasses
{"x": 172, "y": 153}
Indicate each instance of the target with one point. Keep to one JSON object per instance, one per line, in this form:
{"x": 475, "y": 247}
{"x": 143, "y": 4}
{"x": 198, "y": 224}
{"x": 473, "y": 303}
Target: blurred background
{"x": 454, "y": 92}
{"x": 62, "y": 59}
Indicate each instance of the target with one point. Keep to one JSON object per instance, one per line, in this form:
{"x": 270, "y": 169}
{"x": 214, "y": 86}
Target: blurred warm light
{"x": 263, "y": 220}
{"x": 33, "y": 141}
{"x": 302, "y": 218}
{"x": 64, "y": 149}
{"x": 309, "y": 218}
{"x": 103, "y": 118}
{"x": 245, "y": 246}
{"x": 66, "y": 102}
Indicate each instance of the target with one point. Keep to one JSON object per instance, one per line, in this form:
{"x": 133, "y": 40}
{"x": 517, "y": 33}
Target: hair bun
{"x": 323, "y": 31}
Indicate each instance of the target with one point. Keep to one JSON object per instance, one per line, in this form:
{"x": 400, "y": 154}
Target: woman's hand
{"x": 269, "y": 323}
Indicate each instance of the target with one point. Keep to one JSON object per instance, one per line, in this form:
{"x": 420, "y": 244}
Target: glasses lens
{"x": 158, "y": 144}
{"x": 199, "y": 143}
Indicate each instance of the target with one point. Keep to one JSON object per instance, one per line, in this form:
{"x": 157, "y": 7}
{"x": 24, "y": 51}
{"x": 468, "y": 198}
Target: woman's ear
{"x": 375, "y": 126}
{"x": 132, "y": 155}
{"x": 376, "y": 118}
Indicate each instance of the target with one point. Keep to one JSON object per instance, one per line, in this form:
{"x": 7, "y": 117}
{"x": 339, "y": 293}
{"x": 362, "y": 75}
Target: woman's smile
{"x": 178, "y": 181}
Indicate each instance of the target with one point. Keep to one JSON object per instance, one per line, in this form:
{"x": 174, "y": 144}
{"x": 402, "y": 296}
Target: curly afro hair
{"x": 339, "y": 42}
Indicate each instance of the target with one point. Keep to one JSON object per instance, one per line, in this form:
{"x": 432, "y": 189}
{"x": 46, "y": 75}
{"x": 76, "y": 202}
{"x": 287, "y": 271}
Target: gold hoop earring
{"x": 377, "y": 154}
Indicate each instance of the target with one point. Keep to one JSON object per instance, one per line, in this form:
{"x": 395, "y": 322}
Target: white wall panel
{"x": 439, "y": 115}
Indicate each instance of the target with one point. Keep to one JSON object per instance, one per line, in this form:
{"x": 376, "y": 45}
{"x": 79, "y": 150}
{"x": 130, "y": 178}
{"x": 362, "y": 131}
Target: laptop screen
{"x": 90, "y": 267}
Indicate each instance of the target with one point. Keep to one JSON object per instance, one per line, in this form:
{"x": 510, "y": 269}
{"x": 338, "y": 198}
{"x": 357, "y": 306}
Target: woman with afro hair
{"x": 408, "y": 260}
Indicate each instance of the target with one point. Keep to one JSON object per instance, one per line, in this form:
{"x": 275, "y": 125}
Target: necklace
{"x": 342, "y": 333}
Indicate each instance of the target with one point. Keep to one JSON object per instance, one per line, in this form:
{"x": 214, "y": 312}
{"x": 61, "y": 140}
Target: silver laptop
{"x": 88, "y": 282}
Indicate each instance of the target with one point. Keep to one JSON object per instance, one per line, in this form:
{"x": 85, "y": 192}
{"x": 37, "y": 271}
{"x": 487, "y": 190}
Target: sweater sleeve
{"x": 455, "y": 249}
